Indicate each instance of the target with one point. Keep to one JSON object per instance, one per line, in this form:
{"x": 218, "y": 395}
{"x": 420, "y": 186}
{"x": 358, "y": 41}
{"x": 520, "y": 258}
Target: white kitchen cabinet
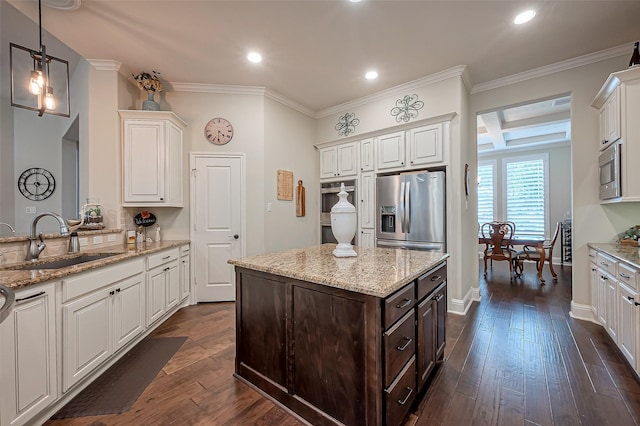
{"x": 152, "y": 158}
{"x": 366, "y": 155}
{"x": 618, "y": 102}
{"x": 339, "y": 161}
{"x": 612, "y": 308}
{"x": 28, "y": 377}
{"x": 368, "y": 238}
{"x": 163, "y": 283}
{"x": 602, "y": 299}
{"x": 367, "y": 195}
{"x": 185, "y": 272}
{"x": 426, "y": 145}
{"x": 627, "y": 322}
{"x": 102, "y": 311}
{"x": 593, "y": 279}
{"x": 391, "y": 151}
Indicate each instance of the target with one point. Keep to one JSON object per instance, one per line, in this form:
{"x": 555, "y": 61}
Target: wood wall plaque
{"x": 285, "y": 185}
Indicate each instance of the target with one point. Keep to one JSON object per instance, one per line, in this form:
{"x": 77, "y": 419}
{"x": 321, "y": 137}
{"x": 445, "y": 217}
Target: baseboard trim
{"x": 583, "y": 312}
{"x": 461, "y": 306}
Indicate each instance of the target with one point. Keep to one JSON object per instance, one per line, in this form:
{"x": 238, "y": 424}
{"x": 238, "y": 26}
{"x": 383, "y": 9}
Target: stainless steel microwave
{"x": 609, "y": 165}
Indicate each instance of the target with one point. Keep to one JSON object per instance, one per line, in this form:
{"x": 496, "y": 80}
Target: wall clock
{"x": 218, "y": 131}
{"x": 36, "y": 184}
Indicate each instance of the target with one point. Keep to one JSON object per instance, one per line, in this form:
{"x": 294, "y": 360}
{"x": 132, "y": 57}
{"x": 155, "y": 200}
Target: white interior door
{"x": 218, "y": 223}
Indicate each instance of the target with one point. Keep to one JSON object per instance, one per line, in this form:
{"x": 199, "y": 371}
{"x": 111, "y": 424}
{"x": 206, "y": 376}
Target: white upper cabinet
{"x": 415, "y": 148}
{"x": 425, "y": 145}
{"x": 339, "y": 161}
{"x": 152, "y": 158}
{"x": 610, "y": 119}
{"x": 366, "y": 155}
{"x": 391, "y": 150}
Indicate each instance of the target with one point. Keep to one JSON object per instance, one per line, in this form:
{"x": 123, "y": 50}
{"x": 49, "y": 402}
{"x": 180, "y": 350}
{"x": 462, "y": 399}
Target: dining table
{"x": 533, "y": 241}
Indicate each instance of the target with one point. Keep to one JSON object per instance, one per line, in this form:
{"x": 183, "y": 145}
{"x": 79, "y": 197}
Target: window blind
{"x": 525, "y": 195}
{"x": 486, "y": 187}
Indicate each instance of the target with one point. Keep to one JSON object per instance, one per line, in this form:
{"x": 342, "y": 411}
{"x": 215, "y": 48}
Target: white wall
{"x": 591, "y": 221}
{"x": 289, "y": 137}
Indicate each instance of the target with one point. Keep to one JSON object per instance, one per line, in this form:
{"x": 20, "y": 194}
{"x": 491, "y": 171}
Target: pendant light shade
{"x": 39, "y": 82}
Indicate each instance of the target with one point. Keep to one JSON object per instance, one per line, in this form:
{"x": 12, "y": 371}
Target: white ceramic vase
{"x": 343, "y": 225}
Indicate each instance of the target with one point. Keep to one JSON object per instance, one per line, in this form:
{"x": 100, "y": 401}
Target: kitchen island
{"x": 341, "y": 340}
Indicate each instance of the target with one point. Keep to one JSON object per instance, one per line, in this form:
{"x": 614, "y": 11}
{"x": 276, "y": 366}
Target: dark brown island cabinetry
{"x": 337, "y": 356}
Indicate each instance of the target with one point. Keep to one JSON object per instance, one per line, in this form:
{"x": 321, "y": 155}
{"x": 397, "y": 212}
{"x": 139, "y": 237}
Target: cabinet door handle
{"x": 604, "y": 278}
{"x": 436, "y": 278}
{"x": 593, "y": 269}
{"x": 626, "y": 277}
{"x": 439, "y": 297}
{"x": 117, "y": 290}
{"x": 407, "y": 343}
{"x": 404, "y": 304}
{"x": 33, "y": 296}
{"x": 630, "y": 298}
{"x": 406, "y": 398}
{"x": 591, "y": 256}
{"x": 112, "y": 292}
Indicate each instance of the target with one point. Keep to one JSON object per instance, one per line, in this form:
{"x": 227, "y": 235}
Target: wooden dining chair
{"x": 530, "y": 253}
{"x": 497, "y": 236}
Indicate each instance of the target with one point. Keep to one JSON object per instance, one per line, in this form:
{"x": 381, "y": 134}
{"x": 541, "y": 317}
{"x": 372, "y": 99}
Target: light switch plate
{"x": 269, "y": 207}
{"x": 98, "y": 239}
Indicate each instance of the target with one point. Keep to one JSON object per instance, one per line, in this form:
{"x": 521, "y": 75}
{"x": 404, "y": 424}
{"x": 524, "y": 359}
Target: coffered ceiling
{"x": 317, "y": 51}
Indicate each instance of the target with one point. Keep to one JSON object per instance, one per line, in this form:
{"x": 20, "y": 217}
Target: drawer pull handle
{"x": 439, "y": 297}
{"x": 406, "y": 398}
{"x": 604, "y": 263}
{"x": 407, "y": 343}
{"x": 626, "y": 277}
{"x": 166, "y": 257}
{"x": 436, "y": 278}
{"x": 591, "y": 256}
{"x": 404, "y": 304}
{"x": 33, "y": 296}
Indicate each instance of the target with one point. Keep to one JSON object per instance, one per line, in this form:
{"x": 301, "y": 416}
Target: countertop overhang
{"x": 375, "y": 271}
{"x": 22, "y": 278}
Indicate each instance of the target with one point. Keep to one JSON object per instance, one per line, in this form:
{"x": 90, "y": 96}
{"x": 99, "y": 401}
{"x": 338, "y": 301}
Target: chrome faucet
{"x": 10, "y": 227}
{"x": 35, "y": 248}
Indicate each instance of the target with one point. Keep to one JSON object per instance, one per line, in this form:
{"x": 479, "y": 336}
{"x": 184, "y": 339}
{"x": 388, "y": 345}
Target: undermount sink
{"x": 63, "y": 263}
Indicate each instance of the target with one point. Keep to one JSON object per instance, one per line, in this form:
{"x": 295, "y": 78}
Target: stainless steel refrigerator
{"x": 411, "y": 211}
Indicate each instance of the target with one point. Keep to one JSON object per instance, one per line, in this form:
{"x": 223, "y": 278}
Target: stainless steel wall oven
{"x": 328, "y": 197}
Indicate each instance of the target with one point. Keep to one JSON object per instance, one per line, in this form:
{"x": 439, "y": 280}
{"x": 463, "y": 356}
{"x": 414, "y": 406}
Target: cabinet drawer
{"x": 401, "y": 394}
{"x": 607, "y": 264}
{"x": 398, "y": 304}
{"x": 165, "y": 256}
{"x": 627, "y": 275}
{"x": 593, "y": 254}
{"x": 399, "y": 346}
{"x": 87, "y": 282}
{"x": 431, "y": 280}
{"x": 184, "y": 250}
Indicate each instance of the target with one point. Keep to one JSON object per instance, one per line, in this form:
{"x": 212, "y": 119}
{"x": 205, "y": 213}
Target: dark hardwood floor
{"x": 516, "y": 358}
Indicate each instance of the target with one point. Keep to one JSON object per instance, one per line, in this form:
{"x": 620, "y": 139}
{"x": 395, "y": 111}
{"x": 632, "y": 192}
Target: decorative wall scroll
{"x": 347, "y": 124}
{"x": 407, "y": 108}
{"x": 285, "y": 185}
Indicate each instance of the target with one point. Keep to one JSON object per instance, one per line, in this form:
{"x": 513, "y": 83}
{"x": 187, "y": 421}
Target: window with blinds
{"x": 486, "y": 188}
{"x": 525, "y": 200}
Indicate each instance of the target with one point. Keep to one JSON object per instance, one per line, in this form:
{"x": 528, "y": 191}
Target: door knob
{"x": 236, "y": 236}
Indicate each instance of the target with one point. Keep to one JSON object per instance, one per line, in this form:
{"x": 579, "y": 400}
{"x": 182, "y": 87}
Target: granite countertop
{"x": 626, "y": 254}
{"x": 375, "y": 271}
{"x": 22, "y": 278}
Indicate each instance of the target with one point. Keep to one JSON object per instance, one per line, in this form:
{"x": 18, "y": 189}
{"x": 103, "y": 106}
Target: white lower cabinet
{"x": 185, "y": 272}
{"x": 368, "y": 238}
{"x": 612, "y": 318}
{"x": 627, "y": 322}
{"x": 163, "y": 283}
{"x": 593, "y": 279}
{"x": 28, "y": 377}
{"x": 102, "y": 311}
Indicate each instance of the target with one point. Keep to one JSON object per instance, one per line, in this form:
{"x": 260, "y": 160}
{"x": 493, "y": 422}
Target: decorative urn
{"x": 343, "y": 225}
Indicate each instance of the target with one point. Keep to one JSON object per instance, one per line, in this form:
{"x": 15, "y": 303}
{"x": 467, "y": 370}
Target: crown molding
{"x": 105, "y": 64}
{"x": 289, "y": 103}
{"x": 456, "y": 71}
{"x": 553, "y": 68}
{"x": 217, "y": 88}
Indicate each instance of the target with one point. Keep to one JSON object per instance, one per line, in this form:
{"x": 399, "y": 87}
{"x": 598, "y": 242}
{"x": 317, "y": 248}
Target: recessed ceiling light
{"x": 254, "y": 57}
{"x": 371, "y": 75}
{"x": 524, "y": 17}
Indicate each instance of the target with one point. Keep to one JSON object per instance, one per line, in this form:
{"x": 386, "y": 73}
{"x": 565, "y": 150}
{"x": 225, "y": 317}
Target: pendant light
{"x": 39, "y": 82}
